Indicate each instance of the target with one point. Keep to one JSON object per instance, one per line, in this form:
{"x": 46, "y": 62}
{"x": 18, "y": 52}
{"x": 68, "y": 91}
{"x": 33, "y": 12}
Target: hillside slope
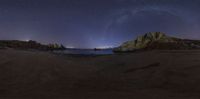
{"x": 16, "y": 44}
{"x": 158, "y": 40}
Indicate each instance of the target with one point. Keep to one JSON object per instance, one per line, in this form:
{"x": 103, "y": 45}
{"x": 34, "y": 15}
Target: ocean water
{"x": 86, "y": 52}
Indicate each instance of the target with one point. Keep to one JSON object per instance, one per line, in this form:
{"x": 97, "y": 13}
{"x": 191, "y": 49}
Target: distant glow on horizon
{"x": 99, "y": 47}
{"x": 27, "y": 40}
{"x": 104, "y": 47}
{"x": 70, "y": 47}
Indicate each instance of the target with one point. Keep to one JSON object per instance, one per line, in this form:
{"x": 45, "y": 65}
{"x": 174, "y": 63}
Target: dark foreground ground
{"x": 141, "y": 75}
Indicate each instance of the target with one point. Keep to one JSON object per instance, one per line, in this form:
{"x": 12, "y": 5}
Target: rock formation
{"x": 157, "y": 40}
{"x": 16, "y": 44}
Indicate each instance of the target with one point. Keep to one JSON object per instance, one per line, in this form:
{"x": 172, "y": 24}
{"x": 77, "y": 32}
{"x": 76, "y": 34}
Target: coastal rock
{"x": 16, "y": 44}
{"x": 157, "y": 40}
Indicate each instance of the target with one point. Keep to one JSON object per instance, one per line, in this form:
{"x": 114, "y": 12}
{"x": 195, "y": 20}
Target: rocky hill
{"x": 158, "y": 40}
{"x": 16, "y": 44}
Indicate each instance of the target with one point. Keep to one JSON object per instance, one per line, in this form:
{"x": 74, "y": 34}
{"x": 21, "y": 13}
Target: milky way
{"x": 96, "y": 23}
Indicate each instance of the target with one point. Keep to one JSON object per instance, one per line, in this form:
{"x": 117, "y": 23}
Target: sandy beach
{"x": 142, "y": 75}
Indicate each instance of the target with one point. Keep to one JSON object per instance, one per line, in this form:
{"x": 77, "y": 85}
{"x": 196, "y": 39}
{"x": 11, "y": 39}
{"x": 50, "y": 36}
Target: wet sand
{"x": 141, "y": 75}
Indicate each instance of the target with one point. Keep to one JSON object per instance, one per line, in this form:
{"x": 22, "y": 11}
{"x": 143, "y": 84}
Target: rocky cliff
{"x": 157, "y": 40}
{"x": 16, "y": 44}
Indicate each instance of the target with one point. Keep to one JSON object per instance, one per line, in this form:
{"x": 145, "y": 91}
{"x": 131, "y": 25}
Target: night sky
{"x": 96, "y": 23}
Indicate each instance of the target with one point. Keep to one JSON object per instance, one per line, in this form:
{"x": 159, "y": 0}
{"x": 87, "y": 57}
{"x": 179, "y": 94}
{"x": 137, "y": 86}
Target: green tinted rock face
{"x": 154, "y": 40}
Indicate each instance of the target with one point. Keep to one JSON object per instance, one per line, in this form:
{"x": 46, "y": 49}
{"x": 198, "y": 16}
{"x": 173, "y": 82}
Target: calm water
{"x": 86, "y": 52}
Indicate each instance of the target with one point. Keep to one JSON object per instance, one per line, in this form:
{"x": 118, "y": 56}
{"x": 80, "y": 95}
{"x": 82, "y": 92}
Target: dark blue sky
{"x": 96, "y": 23}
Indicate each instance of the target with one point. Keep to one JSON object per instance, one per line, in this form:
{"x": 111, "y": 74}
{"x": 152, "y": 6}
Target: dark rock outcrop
{"x": 16, "y": 44}
{"x": 157, "y": 40}
{"x": 56, "y": 47}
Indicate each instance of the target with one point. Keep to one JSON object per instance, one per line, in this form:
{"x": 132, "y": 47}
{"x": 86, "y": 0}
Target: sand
{"x": 143, "y": 75}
